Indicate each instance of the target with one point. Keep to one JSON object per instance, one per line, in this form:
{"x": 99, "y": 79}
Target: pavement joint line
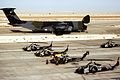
{"x": 45, "y": 38}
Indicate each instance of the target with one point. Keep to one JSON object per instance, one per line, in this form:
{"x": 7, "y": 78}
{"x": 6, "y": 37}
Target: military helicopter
{"x": 64, "y": 58}
{"x": 49, "y": 52}
{"x": 35, "y": 47}
{"x": 93, "y": 67}
{"x": 109, "y": 44}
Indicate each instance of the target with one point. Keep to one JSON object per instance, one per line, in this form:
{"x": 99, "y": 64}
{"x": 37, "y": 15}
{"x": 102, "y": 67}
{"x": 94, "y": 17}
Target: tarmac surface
{"x": 16, "y": 64}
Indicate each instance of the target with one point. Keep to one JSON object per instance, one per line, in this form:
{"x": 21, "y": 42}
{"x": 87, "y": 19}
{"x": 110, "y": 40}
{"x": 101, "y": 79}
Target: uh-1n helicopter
{"x": 35, "y": 47}
{"x": 49, "y": 52}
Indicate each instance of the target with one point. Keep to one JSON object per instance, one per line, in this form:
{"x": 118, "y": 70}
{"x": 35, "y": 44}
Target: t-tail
{"x": 86, "y": 19}
{"x": 11, "y": 16}
{"x": 64, "y": 52}
{"x": 82, "y": 24}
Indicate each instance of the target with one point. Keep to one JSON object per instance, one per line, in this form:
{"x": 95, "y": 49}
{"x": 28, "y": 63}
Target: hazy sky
{"x": 99, "y": 6}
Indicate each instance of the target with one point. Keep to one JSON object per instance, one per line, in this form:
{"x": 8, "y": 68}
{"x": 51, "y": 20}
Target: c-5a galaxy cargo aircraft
{"x": 56, "y": 27}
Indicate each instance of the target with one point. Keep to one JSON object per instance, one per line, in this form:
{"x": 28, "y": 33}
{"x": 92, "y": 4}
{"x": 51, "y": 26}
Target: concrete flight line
{"x": 45, "y": 38}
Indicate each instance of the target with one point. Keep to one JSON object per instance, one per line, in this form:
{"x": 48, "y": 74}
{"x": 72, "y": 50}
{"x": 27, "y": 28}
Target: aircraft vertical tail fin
{"x": 51, "y": 44}
{"x": 65, "y": 49}
{"x": 82, "y": 24}
{"x": 11, "y": 15}
{"x": 116, "y": 64}
{"x": 86, "y": 19}
{"x": 84, "y": 55}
